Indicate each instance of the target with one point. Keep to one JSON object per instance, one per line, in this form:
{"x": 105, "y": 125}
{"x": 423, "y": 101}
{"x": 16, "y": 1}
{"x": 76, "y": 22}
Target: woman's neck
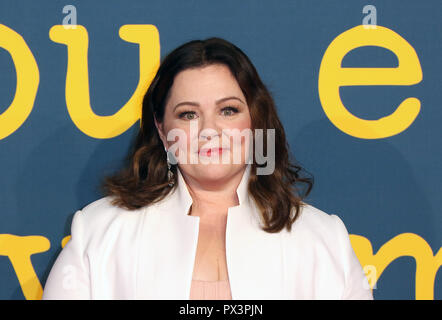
{"x": 214, "y": 202}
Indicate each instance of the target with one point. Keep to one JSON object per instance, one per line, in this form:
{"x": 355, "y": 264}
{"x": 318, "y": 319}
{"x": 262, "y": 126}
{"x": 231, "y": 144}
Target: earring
{"x": 169, "y": 172}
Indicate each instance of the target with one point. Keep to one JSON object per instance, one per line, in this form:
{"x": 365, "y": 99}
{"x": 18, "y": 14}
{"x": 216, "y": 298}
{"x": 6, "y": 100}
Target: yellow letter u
{"x": 77, "y": 78}
{"x": 28, "y": 78}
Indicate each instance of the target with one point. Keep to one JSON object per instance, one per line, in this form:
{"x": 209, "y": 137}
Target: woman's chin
{"x": 212, "y": 171}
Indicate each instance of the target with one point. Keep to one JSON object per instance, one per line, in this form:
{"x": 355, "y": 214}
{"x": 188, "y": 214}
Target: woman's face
{"x": 207, "y": 109}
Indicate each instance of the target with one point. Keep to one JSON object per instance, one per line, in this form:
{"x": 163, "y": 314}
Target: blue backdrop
{"x": 381, "y": 187}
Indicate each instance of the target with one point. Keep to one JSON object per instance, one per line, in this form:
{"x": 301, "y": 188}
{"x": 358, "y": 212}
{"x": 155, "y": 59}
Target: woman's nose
{"x": 209, "y": 128}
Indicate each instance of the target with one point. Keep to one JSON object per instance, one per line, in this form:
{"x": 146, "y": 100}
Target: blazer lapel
{"x": 254, "y": 257}
{"x": 169, "y": 239}
{"x": 168, "y": 245}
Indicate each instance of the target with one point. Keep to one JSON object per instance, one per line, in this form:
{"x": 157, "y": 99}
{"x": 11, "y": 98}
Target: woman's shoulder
{"x": 314, "y": 216}
{"x": 98, "y": 205}
{"x": 100, "y": 220}
{"x": 102, "y": 212}
{"x": 324, "y": 237}
{"x": 106, "y": 205}
{"x": 318, "y": 223}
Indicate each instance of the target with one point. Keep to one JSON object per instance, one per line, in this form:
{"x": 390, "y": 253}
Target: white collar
{"x": 181, "y": 198}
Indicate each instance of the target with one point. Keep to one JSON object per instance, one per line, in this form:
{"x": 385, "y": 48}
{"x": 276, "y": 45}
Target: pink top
{"x": 210, "y": 290}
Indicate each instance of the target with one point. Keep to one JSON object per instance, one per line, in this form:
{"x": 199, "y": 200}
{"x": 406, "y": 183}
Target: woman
{"x": 179, "y": 223}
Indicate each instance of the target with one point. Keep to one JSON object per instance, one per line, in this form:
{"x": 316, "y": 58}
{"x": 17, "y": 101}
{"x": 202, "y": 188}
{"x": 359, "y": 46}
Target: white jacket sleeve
{"x": 356, "y": 283}
{"x": 69, "y": 276}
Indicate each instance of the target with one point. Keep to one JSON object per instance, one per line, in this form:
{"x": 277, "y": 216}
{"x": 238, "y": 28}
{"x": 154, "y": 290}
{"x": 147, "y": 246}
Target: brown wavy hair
{"x": 143, "y": 180}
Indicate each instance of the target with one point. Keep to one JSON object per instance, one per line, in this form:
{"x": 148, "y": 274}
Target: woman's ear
{"x": 159, "y": 127}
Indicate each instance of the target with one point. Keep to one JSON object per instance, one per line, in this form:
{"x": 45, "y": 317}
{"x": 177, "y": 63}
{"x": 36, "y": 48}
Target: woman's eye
{"x": 190, "y": 115}
{"x": 187, "y": 115}
{"x": 229, "y": 111}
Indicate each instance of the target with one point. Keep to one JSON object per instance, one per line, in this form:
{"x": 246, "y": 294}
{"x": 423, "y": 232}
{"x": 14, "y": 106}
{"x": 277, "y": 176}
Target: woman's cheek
{"x": 240, "y": 145}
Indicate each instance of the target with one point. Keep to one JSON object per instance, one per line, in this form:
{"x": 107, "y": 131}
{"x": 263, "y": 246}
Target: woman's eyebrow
{"x": 196, "y": 104}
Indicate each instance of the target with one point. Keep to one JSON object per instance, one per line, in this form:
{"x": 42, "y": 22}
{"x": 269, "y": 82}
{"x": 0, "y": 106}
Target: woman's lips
{"x": 209, "y": 152}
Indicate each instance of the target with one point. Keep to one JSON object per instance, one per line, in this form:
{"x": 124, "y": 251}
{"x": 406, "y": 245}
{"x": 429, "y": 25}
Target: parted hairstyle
{"x": 144, "y": 180}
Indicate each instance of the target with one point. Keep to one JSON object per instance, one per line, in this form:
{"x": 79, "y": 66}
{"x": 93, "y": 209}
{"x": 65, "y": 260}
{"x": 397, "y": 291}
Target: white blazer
{"x": 149, "y": 253}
